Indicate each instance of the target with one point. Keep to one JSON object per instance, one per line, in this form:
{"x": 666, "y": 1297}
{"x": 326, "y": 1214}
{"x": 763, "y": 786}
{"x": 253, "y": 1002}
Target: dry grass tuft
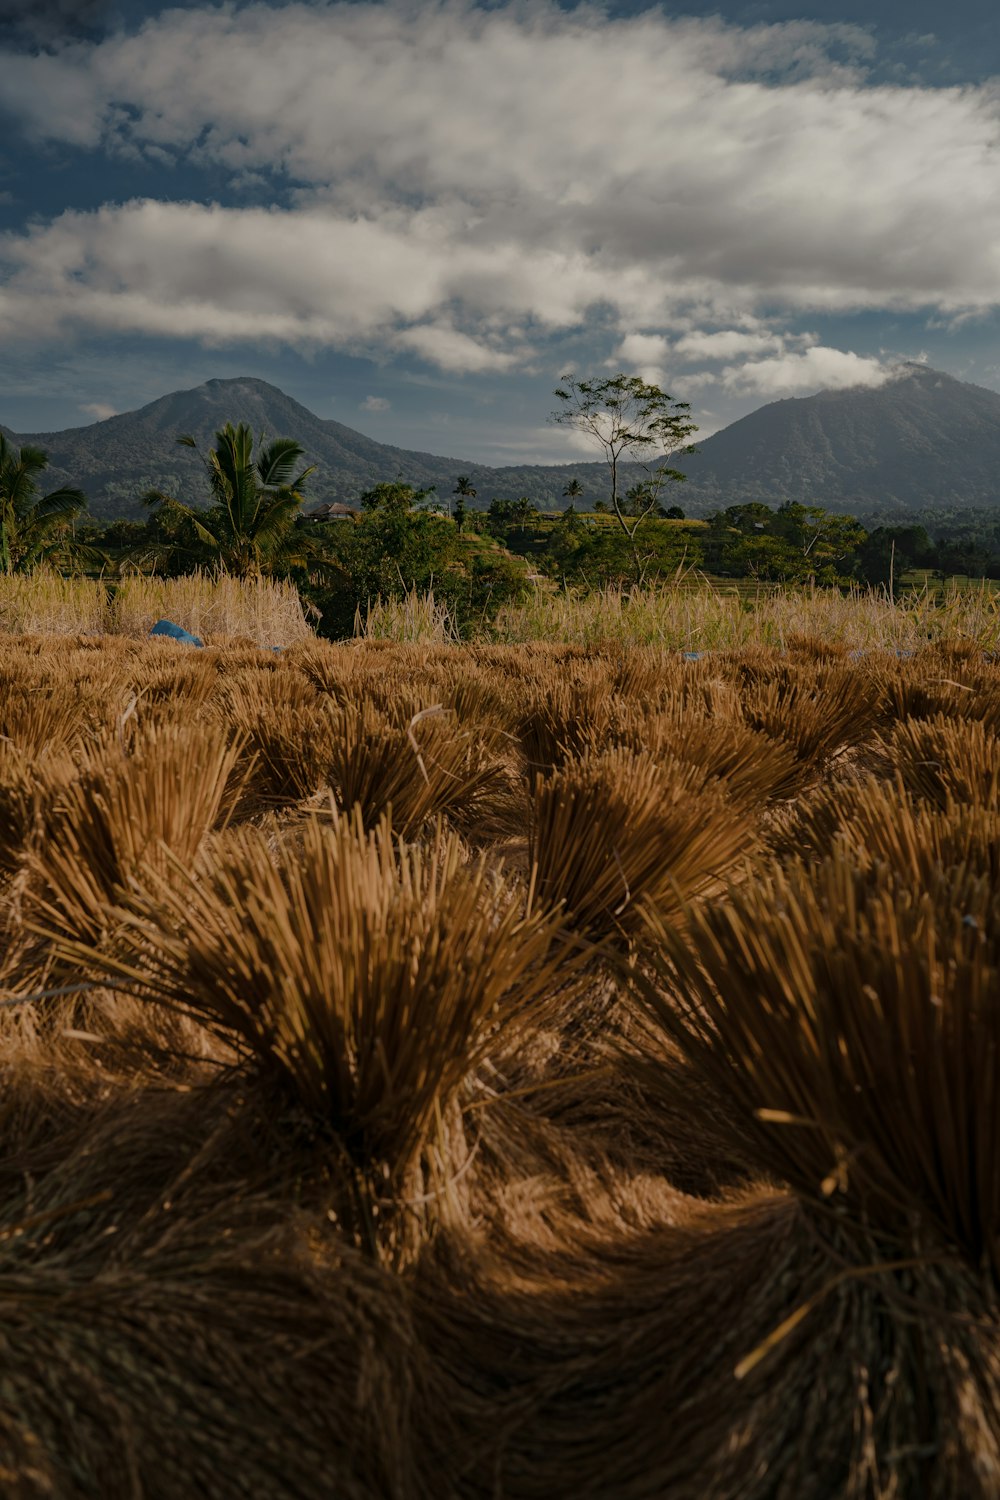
{"x": 361, "y": 974}
{"x": 941, "y": 759}
{"x": 418, "y": 768}
{"x": 120, "y": 812}
{"x": 616, "y": 836}
{"x": 878, "y": 822}
{"x": 852, "y": 1019}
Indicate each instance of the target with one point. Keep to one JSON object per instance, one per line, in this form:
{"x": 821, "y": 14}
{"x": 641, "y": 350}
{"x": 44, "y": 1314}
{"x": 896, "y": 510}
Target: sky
{"x": 415, "y": 215}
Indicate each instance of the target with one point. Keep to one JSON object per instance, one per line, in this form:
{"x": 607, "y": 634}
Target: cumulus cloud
{"x": 229, "y": 275}
{"x": 374, "y": 403}
{"x": 99, "y": 410}
{"x": 643, "y": 354}
{"x": 726, "y": 343}
{"x": 454, "y": 180}
{"x": 816, "y": 369}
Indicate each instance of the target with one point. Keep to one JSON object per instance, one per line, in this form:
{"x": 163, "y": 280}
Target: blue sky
{"x": 413, "y": 216}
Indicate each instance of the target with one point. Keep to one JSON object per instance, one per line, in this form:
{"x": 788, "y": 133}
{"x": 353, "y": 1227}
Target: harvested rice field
{"x": 499, "y": 1071}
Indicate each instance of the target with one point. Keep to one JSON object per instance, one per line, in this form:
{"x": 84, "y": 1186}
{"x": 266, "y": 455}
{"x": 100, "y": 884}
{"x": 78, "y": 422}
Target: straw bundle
{"x": 118, "y": 812}
{"x": 941, "y": 758}
{"x": 617, "y": 835}
{"x": 363, "y": 976}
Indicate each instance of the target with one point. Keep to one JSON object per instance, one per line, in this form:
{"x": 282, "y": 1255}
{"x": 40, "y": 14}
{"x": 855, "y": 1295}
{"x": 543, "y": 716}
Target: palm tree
{"x": 573, "y": 490}
{"x": 33, "y": 528}
{"x": 249, "y": 527}
{"x": 465, "y": 491}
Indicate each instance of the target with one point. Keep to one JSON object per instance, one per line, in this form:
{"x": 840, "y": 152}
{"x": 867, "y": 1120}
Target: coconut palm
{"x": 465, "y": 490}
{"x": 249, "y": 527}
{"x": 573, "y": 490}
{"x": 33, "y": 528}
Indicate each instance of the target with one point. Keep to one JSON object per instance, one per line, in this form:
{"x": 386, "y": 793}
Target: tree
{"x": 630, "y": 420}
{"x": 891, "y": 551}
{"x": 465, "y": 491}
{"x": 523, "y": 511}
{"x": 822, "y": 538}
{"x": 33, "y": 528}
{"x": 250, "y": 527}
{"x": 573, "y": 490}
{"x": 396, "y": 498}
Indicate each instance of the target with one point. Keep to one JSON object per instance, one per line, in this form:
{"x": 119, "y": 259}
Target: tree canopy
{"x": 34, "y": 528}
{"x": 249, "y": 527}
{"x": 628, "y": 418}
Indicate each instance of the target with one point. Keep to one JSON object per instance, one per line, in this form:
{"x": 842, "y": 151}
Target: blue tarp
{"x": 175, "y": 632}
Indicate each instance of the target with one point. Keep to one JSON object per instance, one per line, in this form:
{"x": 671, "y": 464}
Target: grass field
{"x": 512, "y": 1069}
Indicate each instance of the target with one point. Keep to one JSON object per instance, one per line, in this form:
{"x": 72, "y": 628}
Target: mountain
{"x": 921, "y": 441}
{"x": 116, "y": 461}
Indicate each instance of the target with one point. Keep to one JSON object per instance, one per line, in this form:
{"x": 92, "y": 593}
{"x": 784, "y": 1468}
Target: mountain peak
{"x": 921, "y": 440}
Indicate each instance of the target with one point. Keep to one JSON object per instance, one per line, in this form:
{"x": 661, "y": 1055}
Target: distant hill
{"x": 923, "y": 440}
{"x": 117, "y": 460}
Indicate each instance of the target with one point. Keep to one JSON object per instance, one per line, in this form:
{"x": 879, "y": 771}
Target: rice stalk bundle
{"x": 809, "y": 647}
{"x": 651, "y": 677}
{"x": 930, "y": 686}
{"x": 851, "y": 1019}
{"x": 618, "y": 835}
{"x": 475, "y": 698}
{"x": 942, "y": 759}
{"x": 724, "y": 1355}
{"x": 117, "y": 813}
{"x": 882, "y": 822}
{"x": 362, "y": 975}
{"x": 562, "y": 719}
{"x": 18, "y": 808}
{"x": 815, "y": 719}
{"x": 854, "y": 1020}
{"x": 183, "y": 688}
{"x": 42, "y": 717}
{"x": 750, "y": 766}
{"x": 213, "y": 1359}
{"x": 421, "y": 768}
{"x": 329, "y": 667}
{"x": 286, "y": 729}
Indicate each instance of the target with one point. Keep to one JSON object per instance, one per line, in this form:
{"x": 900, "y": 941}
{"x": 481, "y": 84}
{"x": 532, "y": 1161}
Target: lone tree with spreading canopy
{"x": 631, "y": 421}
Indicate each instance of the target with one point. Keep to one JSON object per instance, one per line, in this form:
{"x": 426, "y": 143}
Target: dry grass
{"x": 618, "y": 835}
{"x": 621, "y": 1124}
{"x": 264, "y": 611}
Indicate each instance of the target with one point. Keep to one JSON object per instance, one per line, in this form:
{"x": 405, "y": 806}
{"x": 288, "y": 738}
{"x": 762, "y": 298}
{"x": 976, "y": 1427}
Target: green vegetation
{"x": 395, "y": 545}
{"x": 248, "y": 527}
{"x": 34, "y": 528}
{"x": 629, "y": 419}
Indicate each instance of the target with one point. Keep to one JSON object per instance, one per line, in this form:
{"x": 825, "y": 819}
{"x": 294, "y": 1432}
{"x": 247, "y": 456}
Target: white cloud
{"x": 817, "y": 369}
{"x": 457, "y": 180}
{"x": 227, "y": 275}
{"x": 374, "y": 403}
{"x": 727, "y": 343}
{"x": 452, "y": 349}
{"x": 99, "y": 410}
{"x": 643, "y": 354}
